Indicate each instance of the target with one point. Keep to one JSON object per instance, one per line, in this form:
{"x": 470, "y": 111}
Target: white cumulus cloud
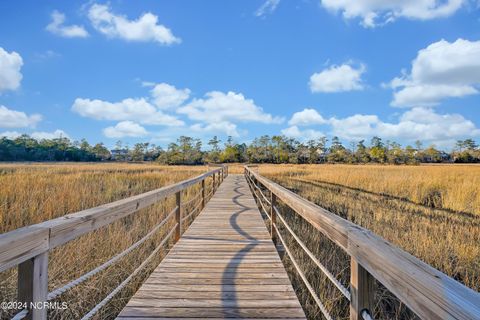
{"x": 378, "y": 12}
{"x": 17, "y": 119}
{"x": 441, "y": 70}
{"x": 224, "y": 127}
{"x": 125, "y": 129}
{"x": 39, "y": 135}
{"x": 145, "y": 28}
{"x": 10, "y": 65}
{"x": 302, "y": 134}
{"x": 166, "y": 96}
{"x": 10, "y": 134}
{"x": 57, "y": 27}
{"x": 216, "y": 113}
{"x": 219, "y": 107}
{"x": 139, "y": 110}
{"x": 307, "y": 117}
{"x": 417, "y": 123}
{"x": 338, "y": 78}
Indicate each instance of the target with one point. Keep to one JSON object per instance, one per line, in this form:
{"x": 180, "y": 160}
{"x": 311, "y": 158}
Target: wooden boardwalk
{"x": 224, "y": 266}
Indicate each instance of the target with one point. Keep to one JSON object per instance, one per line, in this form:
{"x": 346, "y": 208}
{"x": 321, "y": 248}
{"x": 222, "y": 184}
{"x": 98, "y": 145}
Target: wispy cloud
{"x": 57, "y": 27}
{"x": 268, "y": 7}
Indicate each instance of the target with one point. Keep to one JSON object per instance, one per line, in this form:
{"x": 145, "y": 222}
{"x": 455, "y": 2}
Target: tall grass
{"x": 34, "y": 193}
{"x": 388, "y": 201}
{"x": 452, "y": 187}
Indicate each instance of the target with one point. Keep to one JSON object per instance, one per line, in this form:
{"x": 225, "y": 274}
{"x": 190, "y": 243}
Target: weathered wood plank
{"x": 241, "y": 295}
{"x": 211, "y": 303}
{"x": 219, "y": 281}
{"x": 203, "y": 269}
{"x": 225, "y": 312}
{"x": 22, "y": 245}
{"x": 219, "y": 275}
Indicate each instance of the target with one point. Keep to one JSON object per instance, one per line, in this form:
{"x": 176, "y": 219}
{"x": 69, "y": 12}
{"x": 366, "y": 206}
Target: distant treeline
{"x": 265, "y": 149}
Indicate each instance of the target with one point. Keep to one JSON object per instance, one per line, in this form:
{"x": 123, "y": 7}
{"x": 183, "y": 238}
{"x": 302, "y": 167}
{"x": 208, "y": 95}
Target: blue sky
{"x": 153, "y": 70}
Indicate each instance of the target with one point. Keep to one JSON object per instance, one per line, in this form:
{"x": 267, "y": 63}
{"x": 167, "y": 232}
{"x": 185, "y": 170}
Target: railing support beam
{"x": 213, "y": 183}
{"x": 203, "y": 194}
{"x": 178, "y": 216}
{"x": 273, "y": 215}
{"x": 362, "y": 290}
{"x": 33, "y": 285}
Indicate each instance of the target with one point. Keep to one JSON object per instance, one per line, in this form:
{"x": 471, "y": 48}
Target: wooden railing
{"x": 28, "y": 247}
{"x": 429, "y": 293}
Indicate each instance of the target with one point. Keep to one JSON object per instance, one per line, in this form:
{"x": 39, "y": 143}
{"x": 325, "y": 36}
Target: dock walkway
{"x": 224, "y": 266}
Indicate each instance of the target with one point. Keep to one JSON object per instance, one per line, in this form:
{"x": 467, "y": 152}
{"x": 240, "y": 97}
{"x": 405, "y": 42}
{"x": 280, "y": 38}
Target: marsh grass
{"x": 34, "y": 193}
{"x": 432, "y": 231}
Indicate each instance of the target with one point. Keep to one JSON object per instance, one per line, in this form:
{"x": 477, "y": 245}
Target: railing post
{"x": 178, "y": 216}
{"x": 33, "y": 285}
{"x": 213, "y": 184}
{"x": 203, "y": 194}
{"x": 362, "y": 290}
{"x": 273, "y": 215}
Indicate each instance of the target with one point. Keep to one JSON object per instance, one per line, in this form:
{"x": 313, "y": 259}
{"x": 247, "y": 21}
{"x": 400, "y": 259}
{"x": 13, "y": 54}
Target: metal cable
{"x": 261, "y": 203}
{"x": 210, "y": 195}
{"x": 305, "y": 281}
{"x": 264, "y": 197}
{"x": 329, "y": 275}
{"x": 59, "y": 291}
{"x": 92, "y": 312}
{"x": 263, "y": 207}
{"x": 366, "y": 315}
{"x": 186, "y": 203}
{"x": 21, "y": 315}
{"x": 193, "y": 211}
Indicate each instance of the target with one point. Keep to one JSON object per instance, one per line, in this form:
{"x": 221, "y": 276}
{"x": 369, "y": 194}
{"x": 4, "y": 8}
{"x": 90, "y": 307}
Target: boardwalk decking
{"x": 224, "y": 266}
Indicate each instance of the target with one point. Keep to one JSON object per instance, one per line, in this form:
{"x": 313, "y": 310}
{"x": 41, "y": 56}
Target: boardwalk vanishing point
{"x": 224, "y": 266}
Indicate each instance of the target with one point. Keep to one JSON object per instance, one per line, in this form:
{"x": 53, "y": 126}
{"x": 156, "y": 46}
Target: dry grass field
{"x": 34, "y": 193}
{"x": 432, "y": 212}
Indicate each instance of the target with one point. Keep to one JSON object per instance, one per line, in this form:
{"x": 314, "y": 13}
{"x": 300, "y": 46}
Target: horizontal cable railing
{"x": 429, "y": 293}
{"x": 122, "y": 285}
{"x": 193, "y": 211}
{"x": 327, "y": 273}
{"x": 59, "y": 291}
{"x": 186, "y": 203}
{"x": 28, "y": 247}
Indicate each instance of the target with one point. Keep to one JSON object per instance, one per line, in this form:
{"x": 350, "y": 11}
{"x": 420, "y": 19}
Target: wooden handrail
{"x": 428, "y": 292}
{"x": 28, "y": 247}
